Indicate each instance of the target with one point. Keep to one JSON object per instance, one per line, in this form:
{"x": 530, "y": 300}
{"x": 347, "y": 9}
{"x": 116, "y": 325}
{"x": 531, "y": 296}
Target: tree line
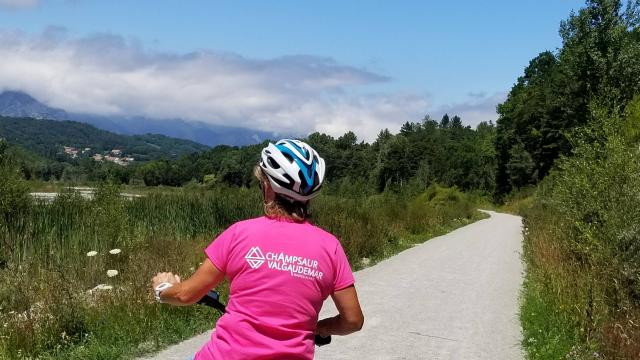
{"x": 424, "y": 152}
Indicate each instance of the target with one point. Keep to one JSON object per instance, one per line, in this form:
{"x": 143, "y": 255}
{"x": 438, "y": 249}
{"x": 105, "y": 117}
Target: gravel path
{"x": 453, "y": 297}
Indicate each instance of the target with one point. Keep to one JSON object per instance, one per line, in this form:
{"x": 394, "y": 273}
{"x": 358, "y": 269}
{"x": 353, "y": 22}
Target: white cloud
{"x": 365, "y": 115}
{"x": 480, "y": 107}
{"x": 110, "y": 75}
{"x": 18, "y": 4}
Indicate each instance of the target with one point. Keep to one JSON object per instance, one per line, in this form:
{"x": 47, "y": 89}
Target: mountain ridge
{"x": 20, "y": 104}
{"x": 48, "y": 138}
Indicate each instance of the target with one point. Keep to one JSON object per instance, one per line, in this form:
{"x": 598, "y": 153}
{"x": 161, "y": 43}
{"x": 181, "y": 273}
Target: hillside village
{"x": 115, "y": 156}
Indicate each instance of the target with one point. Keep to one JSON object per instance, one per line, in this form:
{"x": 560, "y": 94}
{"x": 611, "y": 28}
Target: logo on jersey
{"x": 296, "y": 266}
{"x": 254, "y": 257}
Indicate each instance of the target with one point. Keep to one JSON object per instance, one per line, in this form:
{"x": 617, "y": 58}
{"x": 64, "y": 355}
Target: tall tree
{"x": 597, "y": 69}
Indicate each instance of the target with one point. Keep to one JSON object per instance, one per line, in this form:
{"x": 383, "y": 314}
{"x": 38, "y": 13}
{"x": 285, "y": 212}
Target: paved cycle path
{"x": 452, "y": 297}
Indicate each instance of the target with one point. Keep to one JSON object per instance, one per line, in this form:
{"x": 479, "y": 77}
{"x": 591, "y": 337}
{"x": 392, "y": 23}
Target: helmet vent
{"x": 303, "y": 182}
{"x": 288, "y": 156}
{"x": 273, "y": 163}
{"x": 285, "y": 184}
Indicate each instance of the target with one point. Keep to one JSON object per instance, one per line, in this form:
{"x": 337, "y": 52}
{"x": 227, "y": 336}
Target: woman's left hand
{"x": 165, "y": 277}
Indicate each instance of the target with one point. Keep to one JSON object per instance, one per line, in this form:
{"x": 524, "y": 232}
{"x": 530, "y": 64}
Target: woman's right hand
{"x": 165, "y": 277}
{"x": 187, "y": 292}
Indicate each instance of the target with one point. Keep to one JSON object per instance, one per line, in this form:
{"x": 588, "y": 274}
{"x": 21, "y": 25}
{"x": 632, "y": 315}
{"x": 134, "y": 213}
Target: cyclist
{"x": 280, "y": 267}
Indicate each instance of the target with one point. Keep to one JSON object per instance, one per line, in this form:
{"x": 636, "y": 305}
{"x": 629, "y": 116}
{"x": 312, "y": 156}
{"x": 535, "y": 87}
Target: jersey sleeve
{"x": 218, "y": 250}
{"x": 343, "y": 274}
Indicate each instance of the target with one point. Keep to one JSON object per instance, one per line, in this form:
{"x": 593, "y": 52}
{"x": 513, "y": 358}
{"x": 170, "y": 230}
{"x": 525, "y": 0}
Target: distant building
{"x": 116, "y": 152}
{"x": 71, "y": 151}
{"x": 97, "y": 157}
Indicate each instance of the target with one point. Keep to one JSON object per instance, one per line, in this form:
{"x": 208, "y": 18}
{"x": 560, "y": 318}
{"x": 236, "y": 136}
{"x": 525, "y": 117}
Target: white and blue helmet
{"x": 294, "y": 169}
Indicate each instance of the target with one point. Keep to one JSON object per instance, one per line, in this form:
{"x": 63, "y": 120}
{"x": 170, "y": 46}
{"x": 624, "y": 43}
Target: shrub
{"x": 582, "y": 248}
{"x": 15, "y": 206}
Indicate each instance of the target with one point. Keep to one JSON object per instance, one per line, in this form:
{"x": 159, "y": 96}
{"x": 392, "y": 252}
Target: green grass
{"x": 547, "y": 332}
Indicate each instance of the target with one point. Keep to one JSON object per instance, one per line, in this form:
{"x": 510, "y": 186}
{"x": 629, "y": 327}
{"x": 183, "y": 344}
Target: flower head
{"x": 92, "y": 253}
{"x": 101, "y": 287}
{"x": 112, "y": 273}
{"x": 115, "y": 251}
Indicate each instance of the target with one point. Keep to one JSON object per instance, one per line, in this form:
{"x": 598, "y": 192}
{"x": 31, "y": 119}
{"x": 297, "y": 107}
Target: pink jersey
{"x": 280, "y": 274}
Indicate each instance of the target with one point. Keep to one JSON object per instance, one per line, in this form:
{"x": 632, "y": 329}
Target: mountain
{"x": 197, "y": 131}
{"x": 19, "y": 104}
{"x": 49, "y": 137}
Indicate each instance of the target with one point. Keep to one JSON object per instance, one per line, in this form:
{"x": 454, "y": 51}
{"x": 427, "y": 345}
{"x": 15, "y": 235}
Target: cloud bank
{"x": 106, "y": 74}
{"x": 109, "y": 75}
{"x": 18, "y": 4}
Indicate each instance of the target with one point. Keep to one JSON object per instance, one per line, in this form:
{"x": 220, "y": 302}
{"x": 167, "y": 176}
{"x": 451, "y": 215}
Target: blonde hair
{"x": 281, "y": 208}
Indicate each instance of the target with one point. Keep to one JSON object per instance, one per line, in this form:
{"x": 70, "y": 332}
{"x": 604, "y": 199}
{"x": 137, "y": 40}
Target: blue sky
{"x": 434, "y": 56}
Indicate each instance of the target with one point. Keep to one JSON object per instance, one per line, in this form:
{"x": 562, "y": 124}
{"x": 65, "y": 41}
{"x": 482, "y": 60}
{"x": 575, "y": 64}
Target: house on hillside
{"x": 71, "y": 151}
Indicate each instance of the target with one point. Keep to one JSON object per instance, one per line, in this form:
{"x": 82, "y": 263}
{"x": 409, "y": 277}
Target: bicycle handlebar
{"x": 212, "y": 299}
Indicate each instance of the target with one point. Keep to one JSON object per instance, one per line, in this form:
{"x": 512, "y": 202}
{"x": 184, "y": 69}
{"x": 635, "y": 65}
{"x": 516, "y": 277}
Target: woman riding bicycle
{"x": 280, "y": 267}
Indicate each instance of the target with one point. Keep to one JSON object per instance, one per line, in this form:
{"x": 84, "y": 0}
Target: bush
{"x": 15, "y": 206}
{"x": 582, "y": 248}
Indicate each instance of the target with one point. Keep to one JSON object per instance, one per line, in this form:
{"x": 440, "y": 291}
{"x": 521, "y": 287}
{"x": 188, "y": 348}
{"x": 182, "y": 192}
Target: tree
{"x": 456, "y": 122}
{"x": 444, "y": 123}
{"x": 153, "y": 173}
{"x": 346, "y": 141}
{"x": 631, "y": 125}
{"x": 520, "y": 167}
{"x": 15, "y": 205}
{"x": 393, "y": 167}
{"x": 597, "y": 69}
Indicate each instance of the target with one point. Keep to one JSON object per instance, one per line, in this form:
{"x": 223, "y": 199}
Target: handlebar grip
{"x": 212, "y": 299}
{"x": 321, "y": 341}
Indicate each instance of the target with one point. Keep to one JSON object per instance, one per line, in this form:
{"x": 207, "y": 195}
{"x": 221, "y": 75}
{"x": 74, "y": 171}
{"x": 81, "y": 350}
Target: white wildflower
{"x": 100, "y": 287}
{"x": 112, "y": 273}
{"x": 92, "y": 253}
{"x": 115, "y": 251}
